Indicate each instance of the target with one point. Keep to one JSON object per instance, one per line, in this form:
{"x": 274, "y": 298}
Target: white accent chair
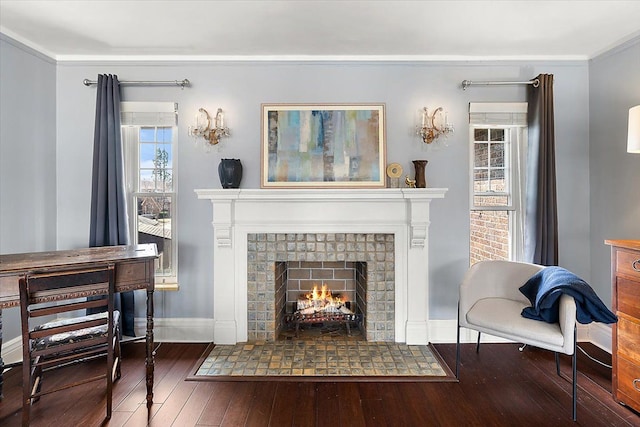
{"x": 491, "y": 302}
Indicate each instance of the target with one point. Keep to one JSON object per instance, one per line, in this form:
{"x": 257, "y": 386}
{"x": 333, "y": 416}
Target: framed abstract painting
{"x": 323, "y": 146}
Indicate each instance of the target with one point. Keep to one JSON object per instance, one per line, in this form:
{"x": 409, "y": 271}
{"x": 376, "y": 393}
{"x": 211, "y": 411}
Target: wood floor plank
{"x": 169, "y": 355}
{"x": 175, "y": 374}
{"x": 284, "y": 403}
{"x": 260, "y": 411}
{"x": 304, "y": 414}
{"x": 194, "y": 407}
{"x": 372, "y": 404}
{"x": 218, "y": 404}
{"x": 240, "y": 405}
{"x": 141, "y": 415}
{"x": 327, "y": 405}
{"x": 350, "y": 405}
{"x": 171, "y": 408}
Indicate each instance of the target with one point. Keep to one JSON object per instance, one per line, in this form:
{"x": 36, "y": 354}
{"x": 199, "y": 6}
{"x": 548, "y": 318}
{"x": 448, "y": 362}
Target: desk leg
{"x": 149, "y": 360}
{"x": 1, "y": 361}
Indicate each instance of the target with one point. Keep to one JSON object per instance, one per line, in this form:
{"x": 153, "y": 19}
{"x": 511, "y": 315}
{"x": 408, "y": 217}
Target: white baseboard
{"x": 177, "y": 329}
{"x": 596, "y": 333}
{"x": 12, "y": 350}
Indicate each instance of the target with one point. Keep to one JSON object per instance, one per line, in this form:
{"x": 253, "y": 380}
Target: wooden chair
{"x": 66, "y": 339}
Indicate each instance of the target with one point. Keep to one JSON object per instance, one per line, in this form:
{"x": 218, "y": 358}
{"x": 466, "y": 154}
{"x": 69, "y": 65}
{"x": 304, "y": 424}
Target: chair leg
{"x": 36, "y": 376}
{"x": 574, "y": 366}
{"x": 478, "y": 343}
{"x": 458, "y": 351}
{"x": 557, "y": 363}
{"x": 26, "y": 393}
{"x": 118, "y": 357}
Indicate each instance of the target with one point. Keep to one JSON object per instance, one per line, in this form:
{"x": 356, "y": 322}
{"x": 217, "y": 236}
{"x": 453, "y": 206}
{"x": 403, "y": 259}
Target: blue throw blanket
{"x": 545, "y": 287}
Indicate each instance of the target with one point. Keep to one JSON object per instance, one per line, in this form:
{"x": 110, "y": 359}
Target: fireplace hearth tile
{"x": 338, "y": 357}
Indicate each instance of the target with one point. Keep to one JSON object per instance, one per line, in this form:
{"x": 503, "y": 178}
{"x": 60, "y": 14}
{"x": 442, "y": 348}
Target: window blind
{"x": 148, "y": 113}
{"x": 498, "y": 113}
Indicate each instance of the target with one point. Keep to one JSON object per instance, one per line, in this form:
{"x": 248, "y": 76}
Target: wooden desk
{"x": 134, "y": 269}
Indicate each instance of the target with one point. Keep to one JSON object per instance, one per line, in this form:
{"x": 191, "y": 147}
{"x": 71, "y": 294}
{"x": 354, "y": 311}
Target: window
{"x": 497, "y": 147}
{"x": 149, "y": 132}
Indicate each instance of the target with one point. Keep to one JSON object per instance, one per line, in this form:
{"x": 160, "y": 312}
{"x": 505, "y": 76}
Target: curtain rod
{"x": 181, "y": 83}
{"x": 467, "y": 83}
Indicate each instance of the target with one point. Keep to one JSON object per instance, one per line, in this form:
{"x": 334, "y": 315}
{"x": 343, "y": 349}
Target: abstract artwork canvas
{"x": 323, "y": 145}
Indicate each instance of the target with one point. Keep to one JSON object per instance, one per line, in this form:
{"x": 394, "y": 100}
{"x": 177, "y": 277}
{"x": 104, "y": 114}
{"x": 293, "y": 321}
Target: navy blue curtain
{"x": 109, "y": 222}
{"x": 541, "y": 218}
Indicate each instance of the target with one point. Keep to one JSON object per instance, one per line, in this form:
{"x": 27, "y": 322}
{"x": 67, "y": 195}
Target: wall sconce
{"x": 633, "y": 134}
{"x": 433, "y": 125}
{"x": 204, "y": 129}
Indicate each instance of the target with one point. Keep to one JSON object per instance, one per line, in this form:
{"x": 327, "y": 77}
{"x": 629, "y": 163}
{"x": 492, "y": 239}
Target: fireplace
{"x": 321, "y": 225}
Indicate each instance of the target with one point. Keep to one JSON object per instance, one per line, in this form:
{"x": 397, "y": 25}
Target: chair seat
{"x": 501, "y": 317}
{"x": 74, "y": 336}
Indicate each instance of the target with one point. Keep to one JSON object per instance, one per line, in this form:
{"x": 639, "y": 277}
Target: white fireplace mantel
{"x": 402, "y": 212}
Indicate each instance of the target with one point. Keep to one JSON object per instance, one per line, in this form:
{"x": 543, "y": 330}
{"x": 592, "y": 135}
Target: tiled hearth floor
{"x": 326, "y": 355}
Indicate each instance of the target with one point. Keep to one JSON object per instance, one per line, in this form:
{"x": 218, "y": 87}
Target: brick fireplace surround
{"x": 243, "y": 217}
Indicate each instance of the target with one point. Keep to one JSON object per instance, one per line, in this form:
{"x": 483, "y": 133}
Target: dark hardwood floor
{"x": 500, "y": 386}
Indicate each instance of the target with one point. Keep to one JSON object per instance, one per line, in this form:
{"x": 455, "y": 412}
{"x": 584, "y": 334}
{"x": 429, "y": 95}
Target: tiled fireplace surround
{"x": 267, "y": 257}
{"x": 311, "y": 224}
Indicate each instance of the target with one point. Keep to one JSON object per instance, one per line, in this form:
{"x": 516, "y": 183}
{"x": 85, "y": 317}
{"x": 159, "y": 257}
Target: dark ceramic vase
{"x": 230, "y": 172}
{"x": 421, "y": 180}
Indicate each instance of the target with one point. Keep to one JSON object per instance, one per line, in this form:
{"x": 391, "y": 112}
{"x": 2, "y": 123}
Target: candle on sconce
{"x": 219, "y": 119}
{"x": 199, "y": 119}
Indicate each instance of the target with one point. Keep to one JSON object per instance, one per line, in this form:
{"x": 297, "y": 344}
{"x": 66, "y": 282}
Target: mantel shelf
{"x": 322, "y": 194}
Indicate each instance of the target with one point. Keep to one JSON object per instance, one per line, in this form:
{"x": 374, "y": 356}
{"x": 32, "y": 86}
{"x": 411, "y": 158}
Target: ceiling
{"x": 314, "y": 29}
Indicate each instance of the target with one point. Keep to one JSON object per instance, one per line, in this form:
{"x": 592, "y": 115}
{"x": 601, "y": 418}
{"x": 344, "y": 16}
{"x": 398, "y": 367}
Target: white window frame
{"x": 510, "y": 116}
{"x": 137, "y": 115}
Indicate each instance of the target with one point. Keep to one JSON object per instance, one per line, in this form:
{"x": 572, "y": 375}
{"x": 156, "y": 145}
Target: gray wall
{"x": 27, "y": 156}
{"x": 240, "y": 88}
{"x": 614, "y": 87}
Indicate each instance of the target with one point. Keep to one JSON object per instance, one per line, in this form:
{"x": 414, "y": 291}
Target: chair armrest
{"x": 494, "y": 279}
{"x": 567, "y": 321}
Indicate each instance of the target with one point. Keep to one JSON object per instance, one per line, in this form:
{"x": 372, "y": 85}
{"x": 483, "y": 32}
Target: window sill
{"x": 166, "y": 286}
{"x": 167, "y": 283}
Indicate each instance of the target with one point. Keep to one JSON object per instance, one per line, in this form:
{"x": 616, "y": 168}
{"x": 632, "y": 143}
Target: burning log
{"x": 318, "y": 301}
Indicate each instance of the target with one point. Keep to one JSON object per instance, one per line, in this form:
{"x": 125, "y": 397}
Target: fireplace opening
{"x": 323, "y": 299}
{"x": 283, "y": 267}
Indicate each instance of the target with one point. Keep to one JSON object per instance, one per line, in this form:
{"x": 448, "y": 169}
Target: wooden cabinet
{"x": 625, "y": 282}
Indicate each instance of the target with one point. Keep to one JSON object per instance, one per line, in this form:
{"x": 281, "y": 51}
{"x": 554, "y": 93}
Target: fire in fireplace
{"x": 321, "y": 301}
{"x": 321, "y": 307}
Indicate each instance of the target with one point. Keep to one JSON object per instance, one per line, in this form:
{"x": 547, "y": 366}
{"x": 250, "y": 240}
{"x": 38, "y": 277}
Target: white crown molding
{"x": 23, "y": 44}
{"x": 318, "y": 58}
{"x": 617, "y": 47}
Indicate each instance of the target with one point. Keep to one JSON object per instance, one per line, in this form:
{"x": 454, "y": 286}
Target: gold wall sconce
{"x": 204, "y": 129}
{"x": 434, "y": 125}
